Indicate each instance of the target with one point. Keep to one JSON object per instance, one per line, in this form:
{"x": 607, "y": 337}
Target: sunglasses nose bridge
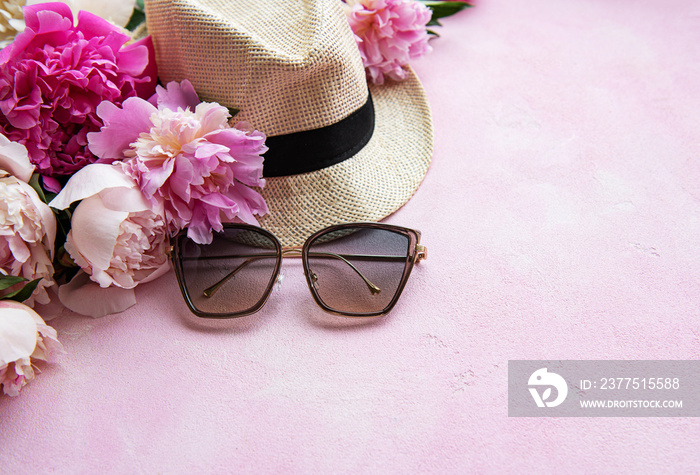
{"x": 292, "y": 252}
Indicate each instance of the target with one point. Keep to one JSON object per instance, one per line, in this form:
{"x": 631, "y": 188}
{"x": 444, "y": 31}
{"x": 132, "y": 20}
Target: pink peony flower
{"x": 183, "y": 155}
{"x": 389, "y": 34}
{"x": 116, "y": 235}
{"x": 24, "y": 338}
{"x": 27, "y": 235}
{"x": 54, "y": 75}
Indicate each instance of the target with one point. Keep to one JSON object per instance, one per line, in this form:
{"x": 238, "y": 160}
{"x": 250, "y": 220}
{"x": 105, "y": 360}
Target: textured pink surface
{"x": 562, "y": 215}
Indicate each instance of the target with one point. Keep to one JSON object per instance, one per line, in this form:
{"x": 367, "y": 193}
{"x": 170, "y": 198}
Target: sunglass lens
{"x": 358, "y": 270}
{"x": 233, "y": 274}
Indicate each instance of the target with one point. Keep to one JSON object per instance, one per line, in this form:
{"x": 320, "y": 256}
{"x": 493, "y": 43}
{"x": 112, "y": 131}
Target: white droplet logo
{"x": 542, "y": 378}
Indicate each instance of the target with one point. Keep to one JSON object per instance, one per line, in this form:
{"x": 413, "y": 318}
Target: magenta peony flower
{"x": 184, "y": 156}
{"x": 389, "y": 33}
{"x": 55, "y": 74}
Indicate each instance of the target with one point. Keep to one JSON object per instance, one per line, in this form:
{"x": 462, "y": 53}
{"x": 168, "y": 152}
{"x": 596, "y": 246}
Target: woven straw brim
{"x": 377, "y": 181}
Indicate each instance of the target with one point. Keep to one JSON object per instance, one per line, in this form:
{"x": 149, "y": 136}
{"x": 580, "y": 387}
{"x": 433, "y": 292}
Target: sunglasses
{"x": 354, "y": 270}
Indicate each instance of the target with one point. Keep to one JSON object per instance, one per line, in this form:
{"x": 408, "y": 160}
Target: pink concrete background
{"x": 562, "y": 217}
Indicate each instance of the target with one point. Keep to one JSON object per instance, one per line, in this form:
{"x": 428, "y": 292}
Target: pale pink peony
{"x": 15, "y": 375}
{"x": 117, "y": 236}
{"x": 27, "y": 235}
{"x": 138, "y": 254}
{"x": 11, "y": 20}
{"x": 15, "y": 160}
{"x": 24, "y": 339}
{"x": 389, "y": 34}
{"x": 184, "y": 156}
{"x": 54, "y": 75}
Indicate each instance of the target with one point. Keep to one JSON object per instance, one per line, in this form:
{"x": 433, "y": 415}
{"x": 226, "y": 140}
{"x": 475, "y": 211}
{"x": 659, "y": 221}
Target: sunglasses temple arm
{"x": 372, "y": 288}
{"x": 209, "y": 291}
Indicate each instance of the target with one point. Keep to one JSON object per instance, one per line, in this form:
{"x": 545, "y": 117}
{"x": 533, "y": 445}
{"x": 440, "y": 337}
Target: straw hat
{"x": 293, "y": 70}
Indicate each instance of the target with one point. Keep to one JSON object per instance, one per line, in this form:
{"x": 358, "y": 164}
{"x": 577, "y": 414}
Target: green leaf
{"x": 138, "y": 16}
{"x": 34, "y": 183}
{"x": 7, "y": 281}
{"x": 50, "y": 196}
{"x": 444, "y": 9}
{"x": 136, "y": 19}
{"x": 24, "y": 293}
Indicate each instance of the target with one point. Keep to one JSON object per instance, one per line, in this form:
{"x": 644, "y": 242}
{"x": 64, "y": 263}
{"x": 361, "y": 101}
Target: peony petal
{"x": 212, "y": 115}
{"x": 15, "y": 159}
{"x": 176, "y": 96}
{"x": 49, "y": 310}
{"x": 53, "y": 18}
{"x": 132, "y": 59}
{"x": 48, "y": 347}
{"x": 206, "y": 150}
{"x": 122, "y": 127}
{"x": 199, "y": 230}
{"x": 17, "y": 331}
{"x": 89, "y": 181}
{"x": 162, "y": 270}
{"x": 48, "y": 219}
{"x": 94, "y": 230}
{"x": 85, "y": 297}
{"x": 146, "y": 88}
{"x": 125, "y": 199}
{"x": 155, "y": 179}
{"x": 32, "y": 10}
{"x": 251, "y": 201}
{"x": 92, "y": 26}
